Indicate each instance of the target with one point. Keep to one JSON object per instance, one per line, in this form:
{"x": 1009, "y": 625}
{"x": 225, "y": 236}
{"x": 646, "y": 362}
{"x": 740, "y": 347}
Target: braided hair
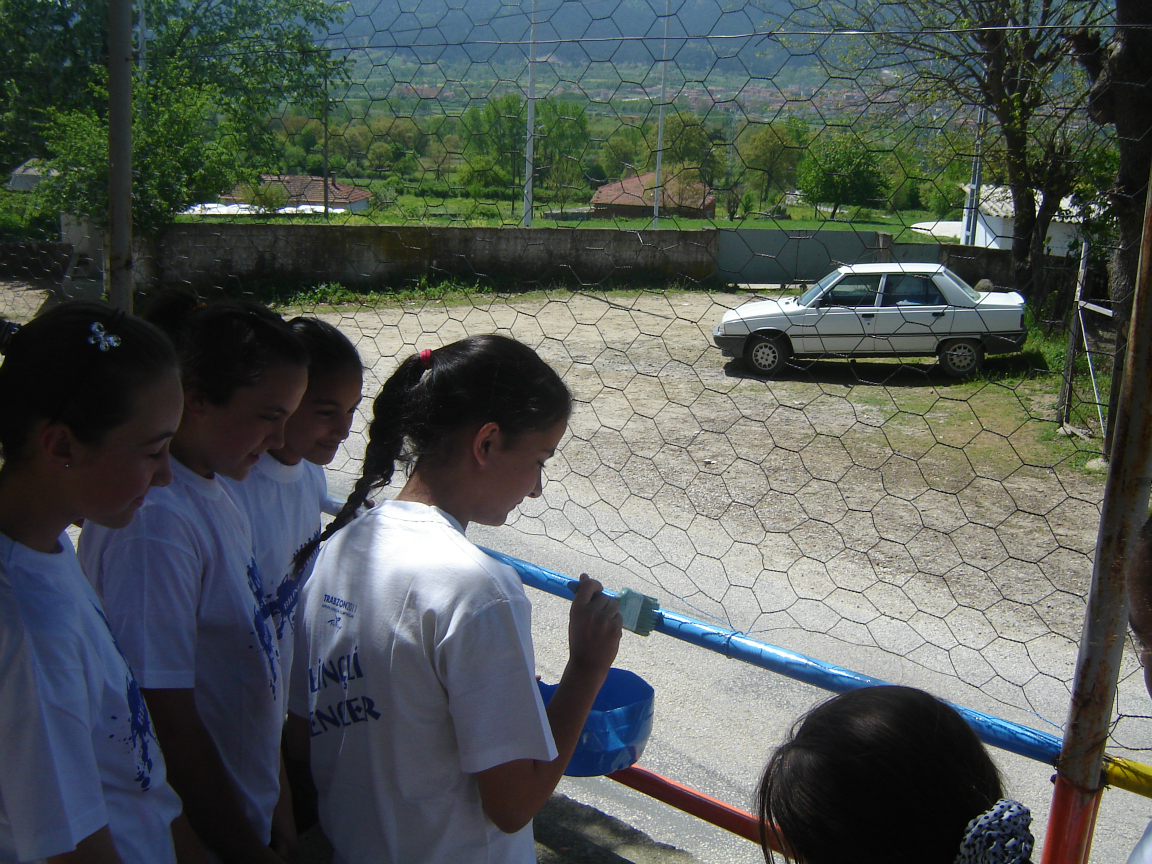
{"x": 481, "y": 379}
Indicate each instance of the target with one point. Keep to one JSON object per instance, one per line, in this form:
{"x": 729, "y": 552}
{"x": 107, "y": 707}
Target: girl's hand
{"x": 594, "y": 626}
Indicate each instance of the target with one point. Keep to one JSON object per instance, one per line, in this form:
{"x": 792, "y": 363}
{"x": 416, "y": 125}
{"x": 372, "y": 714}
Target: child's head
{"x": 89, "y": 397}
{"x": 488, "y": 393}
{"x": 335, "y": 382}
{"x": 431, "y": 407}
{"x": 244, "y": 371}
{"x": 881, "y": 774}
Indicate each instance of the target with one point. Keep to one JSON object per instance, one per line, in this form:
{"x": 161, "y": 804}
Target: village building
{"x": 304, "y": 193}
{"x": 632, "y": 198}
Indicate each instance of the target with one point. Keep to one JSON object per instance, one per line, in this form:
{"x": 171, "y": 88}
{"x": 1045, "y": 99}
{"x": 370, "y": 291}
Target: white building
{"x": 996, "y": 221}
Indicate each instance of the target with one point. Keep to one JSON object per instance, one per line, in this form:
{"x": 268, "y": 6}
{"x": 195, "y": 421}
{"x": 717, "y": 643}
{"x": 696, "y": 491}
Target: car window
{"x": 853, "y": 291}
{"x": 972, "y": 293}
{"x": 903, "y": 289}
{"x": 813, "y": 292}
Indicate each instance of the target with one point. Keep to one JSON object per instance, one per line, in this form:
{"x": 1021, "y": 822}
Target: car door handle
{"x": 937, "y": 314}
{"x": 868, "y": 315}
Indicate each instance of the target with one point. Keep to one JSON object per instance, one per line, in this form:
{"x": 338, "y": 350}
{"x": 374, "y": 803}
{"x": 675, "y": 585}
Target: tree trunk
{"x": 1120, "y": 73}
{"x": 1023, "y": 208}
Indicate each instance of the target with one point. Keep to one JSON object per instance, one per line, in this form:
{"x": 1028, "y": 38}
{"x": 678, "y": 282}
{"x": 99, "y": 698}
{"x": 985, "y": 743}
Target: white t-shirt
{"x": 186, "y": 603}
{"x": 415, "y": 669}
{"x": 1142, "y": 854}
{"x": 101, "y": 739}
{"x": 283, "y": 506}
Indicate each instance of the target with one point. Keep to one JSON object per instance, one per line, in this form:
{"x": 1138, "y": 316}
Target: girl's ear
{"x": 57, "y": 444}
{"x": 486, "y": 439}
{"x": 195, "y": 401}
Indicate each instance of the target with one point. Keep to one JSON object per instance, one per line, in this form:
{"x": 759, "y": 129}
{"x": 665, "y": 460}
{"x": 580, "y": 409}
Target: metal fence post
{"x": 1079, "y": 780}
{"x": 1074, "y": 328}
{"x": 118, "y": 280}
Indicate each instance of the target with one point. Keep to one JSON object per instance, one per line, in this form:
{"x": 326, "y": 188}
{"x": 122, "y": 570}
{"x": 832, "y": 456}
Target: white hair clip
{"x": 100, "y": 339}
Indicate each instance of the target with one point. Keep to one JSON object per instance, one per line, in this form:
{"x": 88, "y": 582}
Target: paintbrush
{"x": 640, "y": 613}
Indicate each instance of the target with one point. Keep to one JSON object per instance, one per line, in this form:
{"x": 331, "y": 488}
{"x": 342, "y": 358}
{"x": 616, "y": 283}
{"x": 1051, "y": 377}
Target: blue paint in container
{"x": 617, "y": 728}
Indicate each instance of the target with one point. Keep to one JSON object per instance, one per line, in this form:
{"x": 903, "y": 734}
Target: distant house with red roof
{"x": 632, "y": 197}
{"x": 302, "y": 190}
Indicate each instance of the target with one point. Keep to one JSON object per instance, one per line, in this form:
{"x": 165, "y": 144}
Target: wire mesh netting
{"x": 867, "y": 508}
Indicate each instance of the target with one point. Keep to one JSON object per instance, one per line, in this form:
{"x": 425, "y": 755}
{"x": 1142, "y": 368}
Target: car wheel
{"x": 765, "y": 355}
{"x": 962, "y": 358}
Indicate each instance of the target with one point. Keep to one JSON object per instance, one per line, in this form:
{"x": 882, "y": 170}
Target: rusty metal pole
{"x": 1079, "y": 779}
{"x": 118, "y": 279}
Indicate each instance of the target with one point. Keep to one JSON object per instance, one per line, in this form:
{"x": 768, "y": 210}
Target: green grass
{"x": 469, "y": 213}
{"x": 449, "y": 292}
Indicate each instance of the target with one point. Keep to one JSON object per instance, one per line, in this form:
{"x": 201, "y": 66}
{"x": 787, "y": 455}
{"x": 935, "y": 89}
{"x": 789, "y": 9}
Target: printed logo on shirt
{"x": 344, "y": 712}
{"x": 340, "y": 671}
{"x": 283, "y": 602}
{"x": 260, "y": 615}
{"x": 341, "y": 607}
{"x": 139, "y": 721}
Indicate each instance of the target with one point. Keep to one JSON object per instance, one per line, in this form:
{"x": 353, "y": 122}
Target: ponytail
{"x": 432, "y": 394}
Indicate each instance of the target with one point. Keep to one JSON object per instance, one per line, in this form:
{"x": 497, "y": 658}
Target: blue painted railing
{"x": 1004, "y": 734}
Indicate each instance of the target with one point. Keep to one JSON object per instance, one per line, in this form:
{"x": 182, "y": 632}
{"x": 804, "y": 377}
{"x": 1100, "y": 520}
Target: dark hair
{"x": 881, "y": 774}
{"x": 328, "y": 349}
{"x": 80, "y": 363}
{"x": 224, "y": 345}
{"x": 432, "y": 394}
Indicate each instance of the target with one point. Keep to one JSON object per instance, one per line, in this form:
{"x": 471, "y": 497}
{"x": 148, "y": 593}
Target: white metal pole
{"x": 530, "y": 132}
{"x": 657, "y": 190}
{"x": 972, "y": 204}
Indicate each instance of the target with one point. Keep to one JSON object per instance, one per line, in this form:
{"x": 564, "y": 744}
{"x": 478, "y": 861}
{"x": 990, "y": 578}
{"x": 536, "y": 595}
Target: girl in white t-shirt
{"x": 182, "y": 589}
{"x": 414, "y": 677}
{"x": 286, "y": 491}
{"x": 89, "y": 400}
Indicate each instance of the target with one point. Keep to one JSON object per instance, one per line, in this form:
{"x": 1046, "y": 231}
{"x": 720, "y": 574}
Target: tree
{"x": 771, "y": 155}
{"x": 561, "y": 137}
{"x": 247, "y": 56}
{"x": 1002, "y": 55}
{"x": 497, "y": 132}
{"x": 624, "y": 153}
{"x": 839, "y": 170}
{"x": 183, "y": 154}
{"x": 689, "y": 150}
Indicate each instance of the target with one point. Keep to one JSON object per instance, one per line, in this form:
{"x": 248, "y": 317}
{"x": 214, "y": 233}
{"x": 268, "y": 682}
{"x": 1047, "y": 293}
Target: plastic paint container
{"x": 617, "y": 728}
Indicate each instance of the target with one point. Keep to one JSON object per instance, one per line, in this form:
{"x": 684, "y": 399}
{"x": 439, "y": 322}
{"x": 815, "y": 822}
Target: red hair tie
{"x": 426, "y": 358}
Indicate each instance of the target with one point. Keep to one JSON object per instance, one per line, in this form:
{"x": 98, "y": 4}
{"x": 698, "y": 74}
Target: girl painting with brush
{"x": 414, "y": 675}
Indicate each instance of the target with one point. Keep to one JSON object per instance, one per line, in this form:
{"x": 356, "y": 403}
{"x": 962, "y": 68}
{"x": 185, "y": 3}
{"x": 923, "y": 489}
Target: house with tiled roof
{"x": 302, "y": 190}
{"x": 632, "y": 197}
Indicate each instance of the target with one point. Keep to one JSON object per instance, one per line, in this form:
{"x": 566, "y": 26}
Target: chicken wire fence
{"x": 873, "y": 512}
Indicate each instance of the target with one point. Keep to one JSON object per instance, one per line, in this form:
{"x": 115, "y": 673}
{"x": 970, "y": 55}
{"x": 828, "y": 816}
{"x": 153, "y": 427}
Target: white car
{"x": 877, "y": 310}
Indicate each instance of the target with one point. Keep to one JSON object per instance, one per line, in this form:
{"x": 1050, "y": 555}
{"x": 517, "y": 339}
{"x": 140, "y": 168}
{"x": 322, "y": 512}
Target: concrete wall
{"x": 204, "y": 256}
{"x": 770, "y": 256}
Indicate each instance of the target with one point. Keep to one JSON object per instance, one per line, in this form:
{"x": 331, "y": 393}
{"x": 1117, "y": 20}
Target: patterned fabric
{"x": 998, "y": 836}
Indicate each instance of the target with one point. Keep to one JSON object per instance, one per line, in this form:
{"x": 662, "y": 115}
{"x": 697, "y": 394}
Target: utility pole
{"x": 657, "y": 191}
{"x": 118, "y": 276}
{"x": 972, "y": 204}
{"x": 530, "y": 132}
